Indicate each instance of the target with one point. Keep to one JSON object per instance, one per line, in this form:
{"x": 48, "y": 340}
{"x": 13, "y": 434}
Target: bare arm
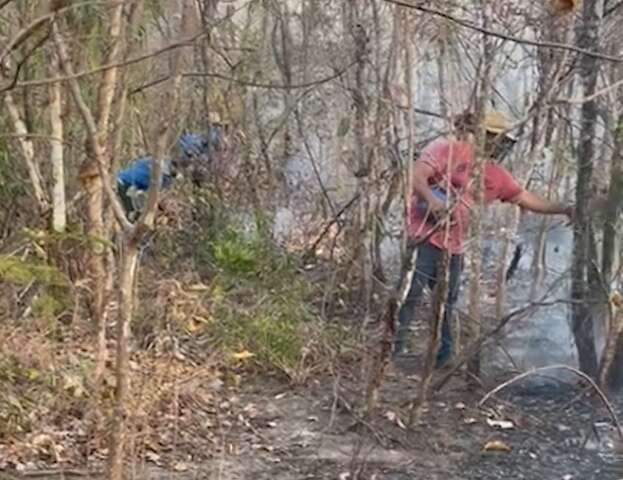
{"x": 534, "y": 203}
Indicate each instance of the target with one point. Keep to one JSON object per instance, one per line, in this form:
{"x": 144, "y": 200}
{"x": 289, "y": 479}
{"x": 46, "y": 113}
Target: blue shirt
{"x": 138, "y": 173}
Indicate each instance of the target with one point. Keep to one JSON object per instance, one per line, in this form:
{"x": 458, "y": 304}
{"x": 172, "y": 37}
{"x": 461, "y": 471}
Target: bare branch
{"x": 102, "y": 68}
{"x": 89, "y": 121}
{"x": 22, "y": 62}
{"x": 577, "y": 372}
{"x": 524, "y": 41}
{"x": 34, "y": 26}
{"x": 28, "y": 151}
{"x": 246, "y": 83}
{"x": 4, "y": 3}
{"x": 593, "y": 96}
{"x": 109, "y": 80}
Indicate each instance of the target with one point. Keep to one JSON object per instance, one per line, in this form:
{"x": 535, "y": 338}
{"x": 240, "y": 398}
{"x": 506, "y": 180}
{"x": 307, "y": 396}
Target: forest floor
{"x": 196, "y": 414}
{"x": 268, "y": 429}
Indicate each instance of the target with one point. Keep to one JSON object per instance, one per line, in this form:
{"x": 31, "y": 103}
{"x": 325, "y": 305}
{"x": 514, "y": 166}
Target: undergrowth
{"x": 216, "y": 300}
{"x": 257, "y": 304}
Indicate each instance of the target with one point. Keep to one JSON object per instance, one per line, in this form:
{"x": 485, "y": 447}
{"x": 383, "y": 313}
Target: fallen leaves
{"x": 501, "y": 424}
{"x": 616, "y": 299}
{"x": 74, "y": 385}
{"x": 181, "y": 467}
{"x": 497, "y": 446}
{"x": 395, "y": 419}
{"x": 243, "y": 355}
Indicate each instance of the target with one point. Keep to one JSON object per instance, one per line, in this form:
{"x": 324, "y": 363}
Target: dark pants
{"x": 126, "y": 201}
{"x": 426, "y": 273}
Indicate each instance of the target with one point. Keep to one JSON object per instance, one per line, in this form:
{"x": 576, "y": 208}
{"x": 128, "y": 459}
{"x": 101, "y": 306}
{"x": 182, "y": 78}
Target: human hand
{"x": 436, "y": 207}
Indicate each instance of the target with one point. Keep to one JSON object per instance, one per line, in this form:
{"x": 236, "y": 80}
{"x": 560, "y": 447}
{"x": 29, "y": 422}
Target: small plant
{"x": 21, "y": 272}
{"x": 237, "y": 254}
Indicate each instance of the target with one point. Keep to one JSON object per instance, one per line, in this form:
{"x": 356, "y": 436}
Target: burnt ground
{"x": 555, "y": 434}
{"x": 277, "y": 431}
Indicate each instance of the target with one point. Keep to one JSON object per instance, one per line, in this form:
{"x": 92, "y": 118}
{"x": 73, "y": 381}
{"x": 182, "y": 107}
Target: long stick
{"x": 534, "y": 371}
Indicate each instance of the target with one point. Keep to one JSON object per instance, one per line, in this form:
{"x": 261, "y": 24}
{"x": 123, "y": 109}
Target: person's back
{"x": 193, "y": 152}
{"x": 137, "y": 173}
{"x": 133, "y": 181}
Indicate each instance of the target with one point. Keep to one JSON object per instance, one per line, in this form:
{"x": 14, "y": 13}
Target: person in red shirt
{"x": 438, "y": 220}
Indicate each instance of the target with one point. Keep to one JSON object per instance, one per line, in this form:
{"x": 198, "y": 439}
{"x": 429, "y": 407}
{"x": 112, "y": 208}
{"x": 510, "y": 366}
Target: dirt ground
{"x": 276, "y": 431}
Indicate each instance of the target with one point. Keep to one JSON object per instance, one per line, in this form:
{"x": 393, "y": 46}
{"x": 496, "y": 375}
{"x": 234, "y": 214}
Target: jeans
{"x": 126, "y": 201}
{"x": 426, "y": 273}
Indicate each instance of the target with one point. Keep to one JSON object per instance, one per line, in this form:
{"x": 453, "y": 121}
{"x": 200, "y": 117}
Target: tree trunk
{"x": 475, "y": 256}
{"x": 362, "y": 240}
{"x": 28, "y": 151}
{"x": 613, "y": 373}
{"x": 126, "y": 286}
{"x": 582, "y": 322}
{"x": 131, "y": 240}
{"x": 59, "y": 210}
{"x": 609, "y": 368}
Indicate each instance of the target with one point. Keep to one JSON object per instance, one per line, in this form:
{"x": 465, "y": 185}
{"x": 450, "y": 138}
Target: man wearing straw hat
{"x": 442, "y": 191}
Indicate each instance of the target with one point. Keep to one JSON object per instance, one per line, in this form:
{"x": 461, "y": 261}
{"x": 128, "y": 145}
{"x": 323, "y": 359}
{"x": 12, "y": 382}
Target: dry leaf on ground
{"x": 496, "y": 446}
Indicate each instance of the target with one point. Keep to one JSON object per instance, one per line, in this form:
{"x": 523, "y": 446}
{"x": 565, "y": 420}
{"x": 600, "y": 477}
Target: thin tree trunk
{"x": 582, "y": 322}
{"x": 608, "y": 367}
{"x": 409, "y": 119}
{"x": 613, "y": 373}
{"x": 131, "y": 241}
{"x": 475, "y": 256}
{"x": 363, "y": 229}
{"x": 439, "y": 306}
{"x": 117, "y": 431}
{"x": 28, "y": 150}
{"x": 59, "y": 209}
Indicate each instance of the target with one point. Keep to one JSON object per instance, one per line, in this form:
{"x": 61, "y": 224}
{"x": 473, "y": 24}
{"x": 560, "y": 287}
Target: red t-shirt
{"x": 452, "y": 162}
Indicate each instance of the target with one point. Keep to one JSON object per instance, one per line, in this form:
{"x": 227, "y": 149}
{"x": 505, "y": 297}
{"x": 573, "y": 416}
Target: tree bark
{"x": 126, "y": 286}
{"x": 59, "y": 208}
{"x": 131, "y": 240}
{"x": 609, "y": 377}
{"x": 28, "y": 150}
{"x": 475, "y": 255}
{"x": 582, "y": 321}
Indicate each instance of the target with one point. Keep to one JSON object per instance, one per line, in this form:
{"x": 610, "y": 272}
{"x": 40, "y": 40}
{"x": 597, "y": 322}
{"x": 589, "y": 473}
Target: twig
{"x": 577, "y": 372}
{"x": 248, "y": 83}
{"x": 22, "y": 62}
{"x": 502, "y": 36}
{"x": 102, "y": 68}
{"x": 4, "y": 3}
{"x": 312, "y": 160}
{"x": 383, "y": 357}
{"x": 332, "y": 222}
{"x": 61, "y": 472}
{"x": 439, "y": 307}
{"x": 477, "y": 345}
{"x": 33, "y": 26}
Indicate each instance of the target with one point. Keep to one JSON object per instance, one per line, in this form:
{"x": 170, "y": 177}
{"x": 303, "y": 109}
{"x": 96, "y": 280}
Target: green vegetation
{"x": 260, "y": 301}
{"x": 256, "y": 305}
{"x": 22, "y": 272}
